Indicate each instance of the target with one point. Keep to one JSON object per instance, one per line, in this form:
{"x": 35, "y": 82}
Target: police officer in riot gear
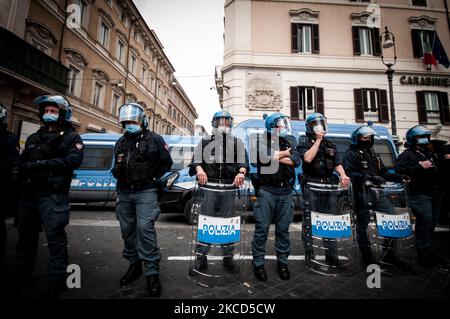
{"x": 47, "y": 164}
{"x": 141, "y": 158}
{"x": 277, "y": 158}
{"x": 320, "y": 161}
{"x": 219, "y": 158}
{"x": 9, "y": 156}
{"x": 363, "y": 165}
{"x": 421, "y": 164}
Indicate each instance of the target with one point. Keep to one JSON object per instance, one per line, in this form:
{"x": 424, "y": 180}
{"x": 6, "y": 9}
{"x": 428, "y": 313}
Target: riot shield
{"x": 328, "y": 230}
{"x": 391, "y": 225}
{"x": 216, "y": 252}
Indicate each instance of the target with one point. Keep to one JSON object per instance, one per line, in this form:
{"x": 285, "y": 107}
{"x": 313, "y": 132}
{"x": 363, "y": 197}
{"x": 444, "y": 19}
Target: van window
{"x": 181, "y": 157}
{"x": 342, "y": 145}
{"x": 384, "y": 149}
{"x": 97, "y": 158}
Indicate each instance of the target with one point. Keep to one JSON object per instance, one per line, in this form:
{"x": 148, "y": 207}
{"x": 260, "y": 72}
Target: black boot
{"x": 230, "y": 264}
{"x": 283, "y": 271}
{"x": 366, "y": 256}
{"x": 56, "y": 287}
{"x": 153, "y": 285}
{"x": 260, "y": 273}
{"x": 133, "y": 273}
{"x": 201, "y": 264}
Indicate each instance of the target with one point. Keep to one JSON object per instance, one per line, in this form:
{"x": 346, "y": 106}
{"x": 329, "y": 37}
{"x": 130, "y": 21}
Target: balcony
{"x": 21, "y": 58}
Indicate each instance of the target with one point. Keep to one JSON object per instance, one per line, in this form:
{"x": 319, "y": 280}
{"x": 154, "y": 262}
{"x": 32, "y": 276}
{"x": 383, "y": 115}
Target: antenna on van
{"x": 265, "y": 116}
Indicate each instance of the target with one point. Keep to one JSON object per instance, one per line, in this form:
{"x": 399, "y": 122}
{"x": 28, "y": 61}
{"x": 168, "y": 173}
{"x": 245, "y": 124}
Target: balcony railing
{"x": 21, "y": 58}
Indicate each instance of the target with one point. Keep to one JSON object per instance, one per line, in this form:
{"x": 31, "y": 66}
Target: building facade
{"x": 104, "y": 54}
{"x": 299, "y": 57}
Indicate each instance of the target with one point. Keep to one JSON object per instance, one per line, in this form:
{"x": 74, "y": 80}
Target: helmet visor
{"x": 283, "y": 125}
{"x": 317, "y": 125}
{"x": 131, "y": 112}
{"x": 223, "y": 122}
{"x": 58, "y": 100}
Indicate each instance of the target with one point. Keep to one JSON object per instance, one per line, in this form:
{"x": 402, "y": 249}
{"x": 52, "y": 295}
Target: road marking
{"x": 247, "y": 257}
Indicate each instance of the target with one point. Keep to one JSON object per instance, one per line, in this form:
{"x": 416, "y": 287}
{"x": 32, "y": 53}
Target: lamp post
{"x": 388, "y": 39}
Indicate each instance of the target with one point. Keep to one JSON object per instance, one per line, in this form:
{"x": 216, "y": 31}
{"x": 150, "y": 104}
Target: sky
{"x": 191, "y": 32}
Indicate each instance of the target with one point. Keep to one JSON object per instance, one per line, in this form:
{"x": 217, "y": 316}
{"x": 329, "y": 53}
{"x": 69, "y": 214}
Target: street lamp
{"x": 388, "y": 41}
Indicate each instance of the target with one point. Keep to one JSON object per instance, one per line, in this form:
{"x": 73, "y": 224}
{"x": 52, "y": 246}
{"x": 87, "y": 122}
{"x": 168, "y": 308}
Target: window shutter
{"x": 421, "y": 108}
{"x": 383, "y": 110}
{"x": 356, "y": 48}
{"x": 294, "y": 103}
{"x": 444, "y": 108}
{"x": 294, "y": 27}
{"x": 376, "y": 42}
{"x": 417, "y": 43}
{"x": 359, "y": 112}
{"x": 319, "y": 101}
{"x": 315, "y": 36}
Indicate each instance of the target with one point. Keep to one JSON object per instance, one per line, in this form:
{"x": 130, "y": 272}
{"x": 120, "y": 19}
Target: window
{"x": 124, "y": 19}
{"x": 419, "y": 3}
{"x": 83, "y": 12}
{"x": 181, "y": 156}
{"x": 432, "y": 107}
{"x": 384, "y": 149}
{"x": 366, "y": 41}
{"x": 422, "y": 41}
{"x": 152, "y": 83}
{"x": 133, "y": 64}
{"x": 120, "y": 51}
{"x": 104, "y": 31}
{"x": 305, "y": 101}
{"x": 98, "y": 91}
{"x": 169, "y": 110}
{"x": 144, "y": 75}
{"x": 97, "y": 158}
{"x": 115, "y": 103}
{"x": 371, "y": 105}
{"x": 74, "y": 75}
{"x": 305, "y": 38}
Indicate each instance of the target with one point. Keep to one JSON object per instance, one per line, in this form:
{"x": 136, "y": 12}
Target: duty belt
{"x": 137, "y": 186}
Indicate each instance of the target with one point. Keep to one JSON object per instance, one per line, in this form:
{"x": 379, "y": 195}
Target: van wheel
{"x": 189, "y": 217}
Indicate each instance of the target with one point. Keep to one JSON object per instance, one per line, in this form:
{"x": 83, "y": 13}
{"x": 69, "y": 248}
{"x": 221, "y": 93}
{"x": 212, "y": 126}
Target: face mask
{"x": 283, "y": 132}
{"x": 318, "y": 128}
{"x": 366, "y": 144}
{"x": 423, "y": 141}
{"x": 133, "y": 128}
{"x": 48, "y": 118}
{"x": 223, "y": 130}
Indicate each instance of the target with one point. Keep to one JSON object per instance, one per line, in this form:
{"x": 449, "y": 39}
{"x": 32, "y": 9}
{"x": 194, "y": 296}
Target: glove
{"x": 376, "y": 179}
{"x": 33, "y": 166}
